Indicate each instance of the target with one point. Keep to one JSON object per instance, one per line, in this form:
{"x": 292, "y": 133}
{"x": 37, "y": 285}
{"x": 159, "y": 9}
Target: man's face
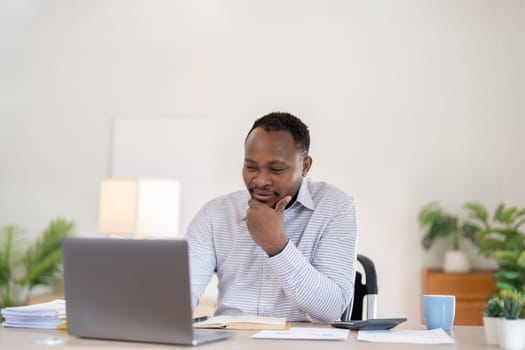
{"x": 273, "y": 167}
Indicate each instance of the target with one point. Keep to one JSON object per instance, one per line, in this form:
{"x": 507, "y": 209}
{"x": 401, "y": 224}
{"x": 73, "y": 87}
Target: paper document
{"x": 304, "y": 333}
{"x": 50, "y": 315}
{"x": 433, "y": 336}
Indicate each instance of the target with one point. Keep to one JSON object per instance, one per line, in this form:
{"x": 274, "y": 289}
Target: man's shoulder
{"x": 325, "y": 192}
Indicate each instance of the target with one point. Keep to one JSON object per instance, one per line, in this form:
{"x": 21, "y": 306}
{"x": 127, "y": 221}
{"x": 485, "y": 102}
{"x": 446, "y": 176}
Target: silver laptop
{"x": 127, "y": 289}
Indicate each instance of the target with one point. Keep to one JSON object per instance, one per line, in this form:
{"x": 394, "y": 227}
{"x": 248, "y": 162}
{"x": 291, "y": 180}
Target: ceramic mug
{"x": 439, "y": 311}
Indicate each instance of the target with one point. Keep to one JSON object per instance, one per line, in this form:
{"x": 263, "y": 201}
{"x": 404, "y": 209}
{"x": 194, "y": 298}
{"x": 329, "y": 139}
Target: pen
{"x": 200, "y": 319}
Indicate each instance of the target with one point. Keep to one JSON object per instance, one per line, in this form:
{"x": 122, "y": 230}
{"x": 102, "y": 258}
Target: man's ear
{"x": 307, "y": 163}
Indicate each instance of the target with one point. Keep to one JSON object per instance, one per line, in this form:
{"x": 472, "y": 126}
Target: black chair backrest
{"x": 369, "y": 289}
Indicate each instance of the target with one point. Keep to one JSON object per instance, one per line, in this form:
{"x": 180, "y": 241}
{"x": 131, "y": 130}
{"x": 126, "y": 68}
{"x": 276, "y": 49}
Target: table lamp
{"x": 140, "y": 207}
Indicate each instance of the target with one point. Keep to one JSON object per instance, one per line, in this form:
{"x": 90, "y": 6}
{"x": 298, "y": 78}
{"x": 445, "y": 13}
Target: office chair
{"x": 368, "y": 289}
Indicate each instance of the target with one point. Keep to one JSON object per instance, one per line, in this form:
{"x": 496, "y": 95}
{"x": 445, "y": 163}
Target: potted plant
{"x": 492, "y": 312}
{"x": 500, "y": 238}
{"x": 23, "y": 266}
{"x": 439, "y": 224}
{"x": 511, "y": 327}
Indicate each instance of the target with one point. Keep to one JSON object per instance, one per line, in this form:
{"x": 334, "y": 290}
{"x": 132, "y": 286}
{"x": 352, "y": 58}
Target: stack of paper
{"x": 50, "y": 315}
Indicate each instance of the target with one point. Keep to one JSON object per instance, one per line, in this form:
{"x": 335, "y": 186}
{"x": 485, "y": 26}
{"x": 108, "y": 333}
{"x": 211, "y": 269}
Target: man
{"x": 287, "y": 246}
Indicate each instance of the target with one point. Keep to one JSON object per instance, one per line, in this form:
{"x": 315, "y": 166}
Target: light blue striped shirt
{"x": 312, "y": 279}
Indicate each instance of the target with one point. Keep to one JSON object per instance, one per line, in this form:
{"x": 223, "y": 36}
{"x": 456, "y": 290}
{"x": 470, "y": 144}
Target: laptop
{"x": 128, "y": 289}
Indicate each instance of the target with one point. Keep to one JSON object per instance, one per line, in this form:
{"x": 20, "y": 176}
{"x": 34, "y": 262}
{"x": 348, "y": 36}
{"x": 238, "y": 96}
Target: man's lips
{"x": 262, "y": 195}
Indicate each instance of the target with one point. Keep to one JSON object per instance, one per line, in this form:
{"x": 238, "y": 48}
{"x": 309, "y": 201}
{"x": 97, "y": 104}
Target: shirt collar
{"x": 305, "y": 197}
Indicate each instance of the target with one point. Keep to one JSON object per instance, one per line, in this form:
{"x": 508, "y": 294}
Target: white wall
{"x": 407, "y": 101}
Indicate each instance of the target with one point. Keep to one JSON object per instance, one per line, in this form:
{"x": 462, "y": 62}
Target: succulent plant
{"x": 512, "y": 304}
{"x": 493, "y": 308}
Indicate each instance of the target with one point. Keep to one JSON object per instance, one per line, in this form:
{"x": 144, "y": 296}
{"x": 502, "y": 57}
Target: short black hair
{"x": 282, "y": 121}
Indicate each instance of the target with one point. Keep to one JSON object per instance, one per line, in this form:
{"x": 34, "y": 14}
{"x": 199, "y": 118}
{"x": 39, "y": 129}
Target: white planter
{"x": 456, "y": 261}
{"x": 490, "y": 325}
{"x": 511, "y": 334}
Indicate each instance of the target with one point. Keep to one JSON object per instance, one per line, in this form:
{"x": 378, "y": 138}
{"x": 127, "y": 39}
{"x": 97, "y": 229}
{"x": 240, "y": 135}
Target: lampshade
{"x": 140, "y": 207}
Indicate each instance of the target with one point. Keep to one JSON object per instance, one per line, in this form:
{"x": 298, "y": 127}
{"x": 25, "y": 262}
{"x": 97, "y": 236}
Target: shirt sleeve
{"x": 201, "y": 254}
{"x": 324, "y": 287}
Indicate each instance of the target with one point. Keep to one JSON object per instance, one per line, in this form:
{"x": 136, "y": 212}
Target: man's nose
{"x": 262, "y": 179}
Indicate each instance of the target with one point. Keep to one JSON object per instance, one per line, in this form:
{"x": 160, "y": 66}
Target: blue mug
{"x": 439, "y": 311}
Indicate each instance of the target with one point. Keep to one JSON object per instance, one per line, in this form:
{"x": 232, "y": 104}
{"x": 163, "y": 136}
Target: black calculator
{"x": 370, "y": 324}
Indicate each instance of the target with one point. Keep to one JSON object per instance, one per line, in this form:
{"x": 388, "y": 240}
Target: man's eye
{"x": 278, "y": 170}
{"x": 251, "y": 168}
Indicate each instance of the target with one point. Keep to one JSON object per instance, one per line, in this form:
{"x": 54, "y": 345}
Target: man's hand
{"x": 266, "y": 225}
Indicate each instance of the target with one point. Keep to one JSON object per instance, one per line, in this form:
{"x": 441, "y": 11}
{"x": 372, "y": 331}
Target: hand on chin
{"x": 265, "y": 224}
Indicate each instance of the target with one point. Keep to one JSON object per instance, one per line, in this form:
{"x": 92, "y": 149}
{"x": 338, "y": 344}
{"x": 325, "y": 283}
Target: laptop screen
{"x": 128, "y": 289}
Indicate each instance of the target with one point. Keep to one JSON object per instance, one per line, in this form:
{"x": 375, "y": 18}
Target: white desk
{"x": 467, "y": 338}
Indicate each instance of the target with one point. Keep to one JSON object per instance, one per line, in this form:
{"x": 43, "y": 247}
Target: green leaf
{"x": 521, "y": 259}
{"x": 437, "y": 224}
{"x": 503, "y": 285}
{"x": 512, "y": 238}
{"x": 512, "y": 303}
{"x": 514, "y": 241}
{"x": 497, "y": 213}
{"x": 520, "y": 213}
{"x": 9, "y": 251}
{"x": 507, "y": 216}
{"x": 470, "y": 232}
{"x": 444, "y": 226}
{"x": 493, "y": 308}
{"x": 11, "y": 238}
{"x": 481, "y": 234}
{"x": 508, "y": 275}
{"x": 6, "y": 243}
{"x": 42, "y": 260}
{"x": 506, "y": 259}
{"x": 477, "y": 211}
{"x": 519, "y": 223}
{"x": 505, "y": 254}
{"x": 429, "y": 214}
{"x": 43, "y": 271}
{"x": 488, "y": 245}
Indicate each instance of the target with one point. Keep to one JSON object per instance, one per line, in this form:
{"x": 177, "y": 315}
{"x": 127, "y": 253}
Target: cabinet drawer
{"x": 472, "y": 291}
{"x": 469, "y": 313}
{"x": 468, "y": 286}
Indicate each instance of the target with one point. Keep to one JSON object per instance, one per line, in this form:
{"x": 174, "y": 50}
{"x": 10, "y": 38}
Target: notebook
{"x": 244, "y": 322}
{"x": 127, "y": 289}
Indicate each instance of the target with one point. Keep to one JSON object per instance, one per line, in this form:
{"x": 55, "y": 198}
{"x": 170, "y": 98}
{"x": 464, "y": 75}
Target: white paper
{"x": 34, "y": 325}
{"x": 53, "y": 308}
{"x": 51, "y": 315}
{"x": 433, "y": 336}
{"x": 304, "y": 333}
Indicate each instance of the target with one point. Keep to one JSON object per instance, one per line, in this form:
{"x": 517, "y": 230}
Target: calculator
{"x": 370, "y": 324}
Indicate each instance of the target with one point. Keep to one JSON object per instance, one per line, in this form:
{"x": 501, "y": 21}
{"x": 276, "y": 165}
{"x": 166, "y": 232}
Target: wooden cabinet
{"x": 472, "y": 291}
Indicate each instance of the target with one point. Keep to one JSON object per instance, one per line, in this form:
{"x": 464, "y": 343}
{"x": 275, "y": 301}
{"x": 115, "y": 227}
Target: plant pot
{"x": 511, "y": 334}
{"x": 490, "y": 325}
{"x": 456, "y": 261}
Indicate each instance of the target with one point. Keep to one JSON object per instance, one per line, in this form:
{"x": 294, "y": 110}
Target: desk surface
{"x": 467, "y": 338}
